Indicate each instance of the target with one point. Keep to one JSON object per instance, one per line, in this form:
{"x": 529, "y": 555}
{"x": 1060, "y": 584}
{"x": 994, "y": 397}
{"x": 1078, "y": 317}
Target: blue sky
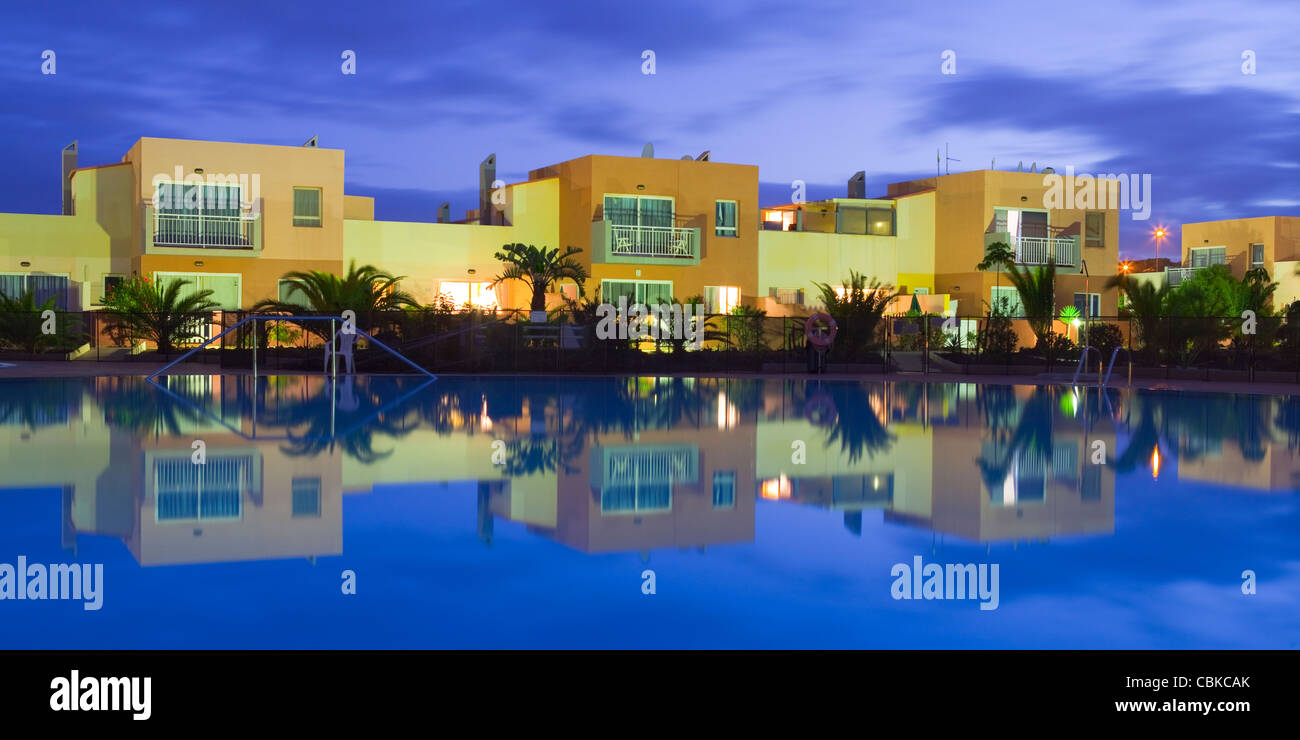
{"x": 807, "y": 91}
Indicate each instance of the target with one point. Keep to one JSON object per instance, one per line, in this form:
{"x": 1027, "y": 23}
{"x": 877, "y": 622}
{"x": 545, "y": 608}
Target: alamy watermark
{"x": 946, "y": 581}
{"x": 665, "y": 321}
{"x": 1129, "y": 192}
{"x": 57, "y": 582}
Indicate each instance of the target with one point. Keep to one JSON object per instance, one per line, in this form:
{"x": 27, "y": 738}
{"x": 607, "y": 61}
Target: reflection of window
{"x": 476, "y": 294}
{"x": 185, "y": 491}
{"x": 306, "y": 497}
{"x": 721, "y": 298}
{"x": 306, "y": 207}
{"x": 1094, "y": 229}
{"x": 725, "y": 218}
{"x": 1091, "y": 483}
{"x": 724, "y": 489}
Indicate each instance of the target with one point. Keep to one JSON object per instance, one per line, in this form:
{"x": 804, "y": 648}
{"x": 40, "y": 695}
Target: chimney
{"x": 444, "y": 213}
{"x": 858, "y": 185}
{"x": 487, "y": 174}
{"x": 69, "y": 164}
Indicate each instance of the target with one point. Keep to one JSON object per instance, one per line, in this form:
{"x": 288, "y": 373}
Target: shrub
{"x": 1105, "y": 337}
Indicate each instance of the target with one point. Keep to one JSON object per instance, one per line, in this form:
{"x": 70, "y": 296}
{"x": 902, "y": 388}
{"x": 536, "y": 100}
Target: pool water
{"x": 293, "y": 512}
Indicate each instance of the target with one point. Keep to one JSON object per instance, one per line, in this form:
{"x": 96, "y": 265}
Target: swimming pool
{"x": 646, "y": 512}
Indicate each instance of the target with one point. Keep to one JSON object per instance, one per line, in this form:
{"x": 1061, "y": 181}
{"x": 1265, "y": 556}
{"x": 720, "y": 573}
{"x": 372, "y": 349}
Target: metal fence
{"x": 474, "y": 341}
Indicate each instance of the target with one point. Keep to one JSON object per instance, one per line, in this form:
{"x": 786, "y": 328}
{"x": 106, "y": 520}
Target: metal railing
{"x": 204, "y": 230}
{"x": 1039, "y": 250}
{"x": 652, "y": 241}
{"x": 1176, "y": 275}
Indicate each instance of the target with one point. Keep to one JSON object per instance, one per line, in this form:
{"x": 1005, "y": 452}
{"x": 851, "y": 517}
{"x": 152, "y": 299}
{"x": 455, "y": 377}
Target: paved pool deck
{"x": 63, "y": 369}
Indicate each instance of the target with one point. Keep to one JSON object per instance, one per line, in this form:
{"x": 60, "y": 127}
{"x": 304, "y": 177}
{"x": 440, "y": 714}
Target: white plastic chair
{"x": 345, "y": 342}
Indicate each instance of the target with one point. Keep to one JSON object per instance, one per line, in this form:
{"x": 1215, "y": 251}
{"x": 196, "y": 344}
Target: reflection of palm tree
{"x": 1033, "y": 433}
{"x": 34, "y": 402}
{"x": 135, "y": 406}
{"x": 856, "y": 427}
{"x": 312, "y": 423}
{"x": 1288, "y": 420}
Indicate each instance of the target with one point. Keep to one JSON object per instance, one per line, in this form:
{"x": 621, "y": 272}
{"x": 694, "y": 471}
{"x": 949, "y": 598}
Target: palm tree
{"x": 539, "y": 269}
{"x": 141, "y": 309}
{"x": 1037, "y": 289}
{"x": 997, "y": 256}
{"x": 22, "y": 324}
{"x": 1146, "y": 302}
{"x": 857, "y": 307}
{"x": 365, "y": 290}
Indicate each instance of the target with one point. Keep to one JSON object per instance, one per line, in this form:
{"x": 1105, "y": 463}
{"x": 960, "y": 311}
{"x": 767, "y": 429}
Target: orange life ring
{"x": 817, "y": 338}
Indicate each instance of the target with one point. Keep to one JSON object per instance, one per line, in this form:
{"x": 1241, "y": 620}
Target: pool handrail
{"x": 1114, "y": 354}
{"x": 275, "y": 317}
{"x": 1084, "y": 356}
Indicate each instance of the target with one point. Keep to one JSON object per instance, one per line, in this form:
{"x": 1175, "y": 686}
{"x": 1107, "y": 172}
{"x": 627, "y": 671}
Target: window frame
{"x": 1101, "y": 237}
{"x": 320, "y": 207}
{"x": 734, "y": 229}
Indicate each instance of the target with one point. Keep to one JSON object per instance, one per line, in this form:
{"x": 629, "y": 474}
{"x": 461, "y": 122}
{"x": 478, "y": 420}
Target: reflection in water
{"x": 613, "y": 465}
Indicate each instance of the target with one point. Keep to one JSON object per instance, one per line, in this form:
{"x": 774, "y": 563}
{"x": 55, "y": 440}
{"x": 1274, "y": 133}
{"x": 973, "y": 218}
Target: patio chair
{"x": 343, "y": 348}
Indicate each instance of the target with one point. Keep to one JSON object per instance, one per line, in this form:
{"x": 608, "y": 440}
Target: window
{"x": 642, "y": 292}
{"x": 639, "y": 210}
{"x": 110, "y": 282}
{"x": 285, "y": 294}
{"x": 787, "y": 296}
{"x": 1206, "y": 256}
{"x": 721, "y": 298}
{"x": 1089, "y": 304}
{"x": 306, "y": 207}
{"x": 880, "y": 221}
{"x": 476, "y": 294}
{"x": 725, "y": 218}
{"x": 724, "y": 489}
{"x": 1005, "y": 301}
{"x": 43, "y": 287}
{"x": 225, "y": 287}
{"x": 1256, "y": 255}
{"x": 1020, "y": 222}
{"x": 1094, "y": 229}
{"x": 306, "y": 497}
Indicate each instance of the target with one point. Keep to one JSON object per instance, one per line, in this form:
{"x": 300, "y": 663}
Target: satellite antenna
{"x": 648, "y": 151}
{"x": 686, "y": 158}
{"x": 704, "y": 156}
{"x": 311, "y": 142}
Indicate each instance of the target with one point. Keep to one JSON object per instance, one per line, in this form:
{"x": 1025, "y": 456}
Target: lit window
{"x": 721, "y": 298}
{"x": 478, "y": 294}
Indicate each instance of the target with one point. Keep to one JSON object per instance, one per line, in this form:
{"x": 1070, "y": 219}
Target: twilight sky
{"x": 810, "y": 91}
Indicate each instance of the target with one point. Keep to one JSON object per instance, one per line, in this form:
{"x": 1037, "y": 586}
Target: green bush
{"x": 1105, "y": 337}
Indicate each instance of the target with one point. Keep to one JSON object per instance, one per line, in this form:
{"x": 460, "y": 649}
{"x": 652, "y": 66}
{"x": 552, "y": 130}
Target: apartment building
{"x": 926, "y": 237}
{"x": 1242, "y": 244}
{"x": 235, "y": 218}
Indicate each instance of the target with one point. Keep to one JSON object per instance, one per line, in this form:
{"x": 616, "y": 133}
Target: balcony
{"x": 1039, "y": 250}
{"x": 1175, "y": 276}
{"x": 172, "y": 231}
{"x": 645, "y": 244}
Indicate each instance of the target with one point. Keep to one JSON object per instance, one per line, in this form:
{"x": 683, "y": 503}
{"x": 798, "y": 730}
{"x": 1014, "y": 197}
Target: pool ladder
{"x": 1110, "y": 367}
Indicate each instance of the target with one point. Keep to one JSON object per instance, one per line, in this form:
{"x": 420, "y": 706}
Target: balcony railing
{"x": 1176, "y": 275}
{"x": 1039, "y": 250}
{"x": 666, "y": 242}
{"x": 202, "y": 230}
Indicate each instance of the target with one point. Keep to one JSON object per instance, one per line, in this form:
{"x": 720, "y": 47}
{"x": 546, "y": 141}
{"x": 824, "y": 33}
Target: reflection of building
{"x": 683, "y": 466}
{"x": 941, "y": 468}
